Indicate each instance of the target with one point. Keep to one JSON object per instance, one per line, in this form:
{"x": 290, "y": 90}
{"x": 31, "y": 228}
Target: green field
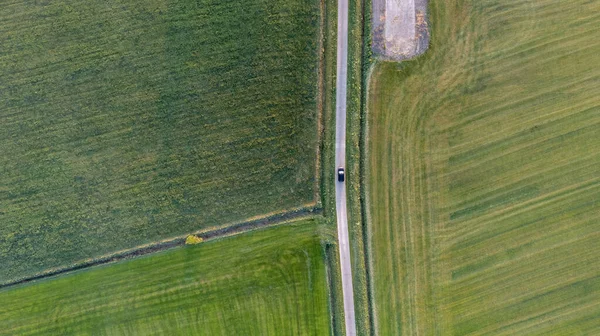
{"x": 484, "y": 174}
{"x": 266, "y": 282}
{"x": 122, "y": 123}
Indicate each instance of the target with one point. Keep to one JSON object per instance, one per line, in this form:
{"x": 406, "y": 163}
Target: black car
{"x": 340, "y": 174}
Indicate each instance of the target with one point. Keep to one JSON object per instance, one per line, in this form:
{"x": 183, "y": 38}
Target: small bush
{"x": 191, "y": 240}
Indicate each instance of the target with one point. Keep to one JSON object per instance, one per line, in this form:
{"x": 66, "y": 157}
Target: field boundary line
{"x": 212, "y": 233}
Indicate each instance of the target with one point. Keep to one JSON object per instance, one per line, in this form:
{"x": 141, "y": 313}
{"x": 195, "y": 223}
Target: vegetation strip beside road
{"x": 265, "y": 282}
{"x": 483, "y": 174}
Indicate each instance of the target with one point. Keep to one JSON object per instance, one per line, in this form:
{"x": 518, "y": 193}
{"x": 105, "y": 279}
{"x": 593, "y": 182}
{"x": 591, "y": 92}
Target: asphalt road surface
{"x": 340, "y": 161}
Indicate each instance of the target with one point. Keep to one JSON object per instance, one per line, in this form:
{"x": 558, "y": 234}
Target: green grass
{"x": 124, "y": 123}
{"x": 484, "y": 174}
{"x": 266, "y": 282}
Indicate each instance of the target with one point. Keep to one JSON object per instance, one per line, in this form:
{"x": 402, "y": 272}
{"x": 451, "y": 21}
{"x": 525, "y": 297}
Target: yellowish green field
{"x": 266, "y": 282}
{"x": 484, "y": 174}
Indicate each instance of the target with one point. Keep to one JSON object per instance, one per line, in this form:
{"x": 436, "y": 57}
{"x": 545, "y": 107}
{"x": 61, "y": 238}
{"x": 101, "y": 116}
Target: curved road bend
{"x": 340, "y": 161}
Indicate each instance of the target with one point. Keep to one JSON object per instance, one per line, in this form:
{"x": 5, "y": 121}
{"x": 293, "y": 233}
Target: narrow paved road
{"x": 340, "y": 161}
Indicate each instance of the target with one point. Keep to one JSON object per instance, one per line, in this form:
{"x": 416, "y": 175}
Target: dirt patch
{"x": 400, "y": 29}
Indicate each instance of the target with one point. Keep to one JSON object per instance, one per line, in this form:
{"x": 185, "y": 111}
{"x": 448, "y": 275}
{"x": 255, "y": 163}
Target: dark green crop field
{"x": 126, "y": 122}
{"x": 484, "y": 174}
{"x": 266, "y": 282}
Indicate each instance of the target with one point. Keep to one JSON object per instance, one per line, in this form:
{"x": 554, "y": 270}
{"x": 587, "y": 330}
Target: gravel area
{"x": 400, "y": 29}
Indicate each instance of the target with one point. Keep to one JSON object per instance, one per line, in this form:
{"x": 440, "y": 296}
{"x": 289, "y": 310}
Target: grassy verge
{"x": 125, "y": 124}
{"x": 266, "y": 282}
{"x": 328, "y": 102}
{"x": 336, "y": 301}
{"x": 483, "y": 174}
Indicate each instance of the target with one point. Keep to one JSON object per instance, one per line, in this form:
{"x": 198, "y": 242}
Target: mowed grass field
{"x": 122, "y": 122}
{"x": 266, "y": 282}
{"x": 484, "y": 174}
